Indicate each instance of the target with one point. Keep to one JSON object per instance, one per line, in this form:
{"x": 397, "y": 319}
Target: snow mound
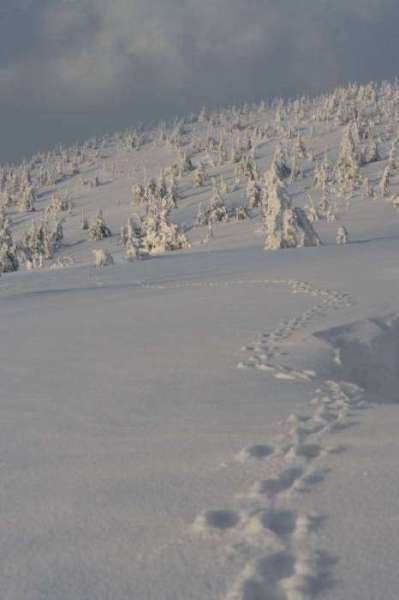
{"x": 367, "y": 354}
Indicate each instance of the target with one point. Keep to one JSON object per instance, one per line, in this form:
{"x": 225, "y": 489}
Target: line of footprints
{"x": 265, "y": 352}
{"x": 276, "y": 546}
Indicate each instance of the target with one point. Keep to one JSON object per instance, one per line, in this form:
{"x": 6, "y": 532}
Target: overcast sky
{"x": 72, "y": 68}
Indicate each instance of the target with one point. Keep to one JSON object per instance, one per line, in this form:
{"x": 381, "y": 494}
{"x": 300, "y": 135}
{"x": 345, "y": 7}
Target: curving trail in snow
{"x": 278, "y": 546}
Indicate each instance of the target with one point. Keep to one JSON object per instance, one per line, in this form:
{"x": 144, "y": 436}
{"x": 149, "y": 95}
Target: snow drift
{"x": 367, "y": 354}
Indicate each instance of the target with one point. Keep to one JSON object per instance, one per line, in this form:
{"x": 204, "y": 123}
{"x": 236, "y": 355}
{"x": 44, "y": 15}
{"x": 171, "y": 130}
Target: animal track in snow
{"x": 297, "y": 571}
{"x": 280, "y": 522}
{"x": 276, "y": 485}
{"x": 285, "y": 563}
{"x": 216, "y": 521}
{"x": 259, "y": 451}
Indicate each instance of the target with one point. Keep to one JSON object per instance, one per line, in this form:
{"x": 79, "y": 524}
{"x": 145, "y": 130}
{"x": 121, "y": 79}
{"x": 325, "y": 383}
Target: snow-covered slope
{"x": 217, "y": 422}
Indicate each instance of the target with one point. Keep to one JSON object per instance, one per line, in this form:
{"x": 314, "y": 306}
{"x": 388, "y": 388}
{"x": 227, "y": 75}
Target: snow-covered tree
{"x": 342, "y": 235}
{"x": 222, "y": 185}
{"x": 299, "y": 148}
{"x": 99, "y": 230}
{"x": 138, "y": 193}
{"x": 372, "y": 152}
{"x": 131, "y": 237}
{"x": 216, "y": 211}
{"x": 58, "y": 204}
{"x": 253, "y": 194}
{"x": 286, "y": 227}
{"x": 199, "y": 177}
{"x": 347, "y": 167}
{"x": 158, "y": 234}
{"x": 368, "y": 190}
{"x": 392, "y": 160}
{"x": 385, "y": 182}
{"x": 281, "y": 165}
{"x": 324, "y": 204}
{"x": 307, "y": 236}
{"x": 200, "y": 218}
{"x": 26, "y": 200}
{"x": 242, "y": 213}
{"x": 295, "y": 168}
{"x": 41, "y": 241}
{"x": 185, "y": 164}
{"x": 311, "y": 210}
{"x": 8, "y": 254}
{"x": 103, "y": 258}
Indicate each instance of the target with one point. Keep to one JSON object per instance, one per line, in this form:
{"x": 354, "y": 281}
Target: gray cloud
{"x": 140, "y": 59}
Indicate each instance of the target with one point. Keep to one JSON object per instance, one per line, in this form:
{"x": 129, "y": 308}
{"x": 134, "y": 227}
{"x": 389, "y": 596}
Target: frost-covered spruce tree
{"x": 300, "y": 150}
{"x": 56, "y": 205}
{"x": 286, "y": 227}
{"x": 385, "y": 182}
{"x": 25, "y": 202}
{"x": 158, "y": 233}
{"x": 271, "y": 178}
{"x": 307, "y": 236}
{"x": 138, "y": 193}
{"x": 245, "y": 168}
{"x": 392, "y": 160}
{"x": 216, "y": 211}
{"x": 342, "y": 236}
{"x": 347, "y": 167}
{"x": 295, "y": 168}
{"x": 324, "y": 204}
{"x": 280, "y": 162}
{"x": 161, "y": 236}
{"x": 321, "y": 175}
{"x": 368, "y": 190}
{"x": 39, "y": 244}
{"x": 279, "y": 221}
{"x": 235, "y": 152}
{"x": 372, "y": 152}
{"x": 311, "y": 210}
{"x": 58, "y": 232}
{"x": 199, "y": 176}
{"x": 99, "y": 230}
{"x": 200, "y": 218}
{"x": 253, "y": 194}
{"x": 162, "y": 185}
{"x": 222, "y": 185}
{"x": 185, "y": 164}
{"x": 242, "y": 213}
{"x": 131, "y": 237}
{"x": 152, "y": 187}
{"x": 8, "y": 253}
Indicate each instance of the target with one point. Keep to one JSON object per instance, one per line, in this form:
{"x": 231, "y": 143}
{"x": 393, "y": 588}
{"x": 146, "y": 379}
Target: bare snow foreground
{"x": 143, "y": 457}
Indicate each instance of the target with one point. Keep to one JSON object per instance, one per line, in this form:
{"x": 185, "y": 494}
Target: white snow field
{"x": 218, "y": 422}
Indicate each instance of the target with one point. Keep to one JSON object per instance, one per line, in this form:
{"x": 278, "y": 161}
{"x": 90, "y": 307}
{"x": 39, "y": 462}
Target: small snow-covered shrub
{"x": 103, "y": 258}
{"x": 99, "y": 230}
{"x": 342, "y": 236}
